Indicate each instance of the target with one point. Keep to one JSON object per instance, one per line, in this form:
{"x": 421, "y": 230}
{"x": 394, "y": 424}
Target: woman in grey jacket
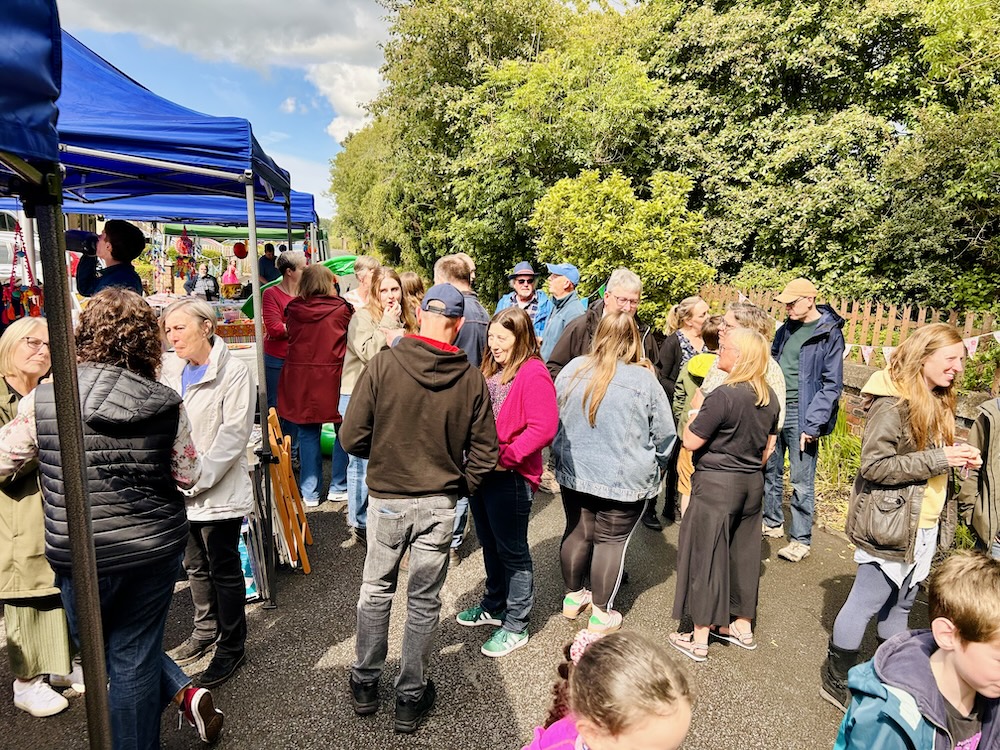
{"x": 613, "y": 444}
{"x": 219, "y": 395}
{"x": 901, "y": 507}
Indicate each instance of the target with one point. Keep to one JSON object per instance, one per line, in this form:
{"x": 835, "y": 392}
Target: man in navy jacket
{"x": 810, "y": 349}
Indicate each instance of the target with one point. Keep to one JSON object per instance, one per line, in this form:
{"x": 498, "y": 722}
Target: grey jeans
{"x": 424, "y": 525}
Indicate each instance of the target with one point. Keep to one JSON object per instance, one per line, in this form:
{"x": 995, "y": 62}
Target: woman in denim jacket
{"x": 614, "y": 441}
{"x": 902, "y": 506}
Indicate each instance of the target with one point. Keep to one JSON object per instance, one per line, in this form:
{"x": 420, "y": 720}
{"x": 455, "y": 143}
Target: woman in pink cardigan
{"x": 524, "y": 405}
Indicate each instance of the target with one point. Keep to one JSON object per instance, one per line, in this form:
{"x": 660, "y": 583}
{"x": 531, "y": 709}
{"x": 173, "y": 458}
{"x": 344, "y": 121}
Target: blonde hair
{"x": 317, "y": 281}
{"x": 617, "y": 340}
{"x": 623, "y": 679}
{"x": 681, "y": 312}
{"x": 196, "y": 308}
{"x": 19, "y": 329}
{"x": 751, "y": 367}
{"x": 931, "y": 411}
{"x": 965, "y": 588}
{"x": 515, "y": 320}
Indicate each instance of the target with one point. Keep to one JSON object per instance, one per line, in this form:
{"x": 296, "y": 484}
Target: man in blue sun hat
{"x": 533, "y": 301}
{"x": 566, "y": 304}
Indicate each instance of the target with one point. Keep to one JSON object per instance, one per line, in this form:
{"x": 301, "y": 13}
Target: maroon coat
{"x": 309, "y": 388}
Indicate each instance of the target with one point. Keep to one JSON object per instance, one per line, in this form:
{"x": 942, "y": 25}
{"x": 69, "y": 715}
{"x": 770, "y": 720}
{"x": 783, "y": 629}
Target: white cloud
{"x": 309, "y": 177}
{"x": 336, "y": 42}
{"x": 288, "y": 106}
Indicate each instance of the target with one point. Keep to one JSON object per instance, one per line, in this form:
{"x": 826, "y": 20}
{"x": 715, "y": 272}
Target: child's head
{"x": 710, "y": 332}
{"x": 964, "y": 601}
{"x": 626, "y": 692}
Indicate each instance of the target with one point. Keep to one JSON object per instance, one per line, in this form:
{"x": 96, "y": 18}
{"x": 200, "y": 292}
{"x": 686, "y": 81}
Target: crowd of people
{"x": 704, "y": 415}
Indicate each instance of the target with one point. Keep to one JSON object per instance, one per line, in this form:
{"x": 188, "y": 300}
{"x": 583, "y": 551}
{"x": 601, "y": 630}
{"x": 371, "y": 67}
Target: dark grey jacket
{"x": 884, "y": 511}
{"x": 978, "y": 498}
{"x": 129, "y": 428}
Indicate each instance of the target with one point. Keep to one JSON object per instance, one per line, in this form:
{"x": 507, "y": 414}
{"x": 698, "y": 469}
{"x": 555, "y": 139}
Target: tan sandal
{"x": 685, "y": 643}
{"x": 734, "y": 636}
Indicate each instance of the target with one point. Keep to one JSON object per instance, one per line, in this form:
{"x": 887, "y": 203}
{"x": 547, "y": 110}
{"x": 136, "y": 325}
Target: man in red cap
{"x": 809, "y": 347}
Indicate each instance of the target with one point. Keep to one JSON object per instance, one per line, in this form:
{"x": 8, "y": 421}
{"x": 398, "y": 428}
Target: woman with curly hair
{"x": 139, "y": 453}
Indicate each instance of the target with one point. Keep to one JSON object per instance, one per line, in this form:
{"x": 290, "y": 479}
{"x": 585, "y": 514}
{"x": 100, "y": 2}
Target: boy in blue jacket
{"x": 936, "y": 689}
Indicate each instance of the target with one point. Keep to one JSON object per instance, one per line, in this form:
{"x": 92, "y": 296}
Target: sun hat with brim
{"x": 796, "y": 288}
{"x": 522, "y": 269}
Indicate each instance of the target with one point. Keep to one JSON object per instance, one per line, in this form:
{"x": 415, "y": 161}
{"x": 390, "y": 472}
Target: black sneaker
{"x": 409, "y": 713}
{"x": 364, "y": 695}
{"x": 650, "y": 521}
{"x": 191, "y": 651}
{"x": 220, "y": 669}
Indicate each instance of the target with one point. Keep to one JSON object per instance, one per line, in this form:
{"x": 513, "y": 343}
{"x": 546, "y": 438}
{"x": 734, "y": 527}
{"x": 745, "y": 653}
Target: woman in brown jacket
{"x": 902, "y": 506}
{"x": 37, "y": 635}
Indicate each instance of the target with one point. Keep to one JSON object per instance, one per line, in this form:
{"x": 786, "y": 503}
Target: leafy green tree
{"x": 600, "y": 224}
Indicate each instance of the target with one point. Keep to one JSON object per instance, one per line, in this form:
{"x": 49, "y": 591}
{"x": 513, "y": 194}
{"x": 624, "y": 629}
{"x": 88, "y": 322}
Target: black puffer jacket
{"x": 129, "y": 426}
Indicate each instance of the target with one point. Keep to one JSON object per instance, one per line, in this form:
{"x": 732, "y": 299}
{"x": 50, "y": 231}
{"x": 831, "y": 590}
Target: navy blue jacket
{"x": 821, "y": 372}
{"x": 90, "y": 280}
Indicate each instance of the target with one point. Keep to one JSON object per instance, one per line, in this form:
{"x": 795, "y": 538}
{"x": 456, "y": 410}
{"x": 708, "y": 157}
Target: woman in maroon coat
{"x": 309, "y": 388}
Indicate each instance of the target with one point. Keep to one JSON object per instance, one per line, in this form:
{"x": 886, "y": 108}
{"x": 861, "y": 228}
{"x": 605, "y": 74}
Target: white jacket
{"x": 221, "y": 409}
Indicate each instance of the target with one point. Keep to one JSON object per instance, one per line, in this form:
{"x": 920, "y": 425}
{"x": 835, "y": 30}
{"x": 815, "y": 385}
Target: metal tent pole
{"x": 266, "y": 457}
{"x": 71, "y": 453}
{"x": 288, "y": 218}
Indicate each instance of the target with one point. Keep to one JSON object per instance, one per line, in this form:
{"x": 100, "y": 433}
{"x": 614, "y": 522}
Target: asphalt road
{"x": 291, "y": 693}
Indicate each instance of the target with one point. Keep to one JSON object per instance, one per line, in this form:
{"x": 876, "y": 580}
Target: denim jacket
{"x": 621, "y": 458}
{"x": 564, "y": 312}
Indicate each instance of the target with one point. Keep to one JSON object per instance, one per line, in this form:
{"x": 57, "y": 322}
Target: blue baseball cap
{"x": 522, "y": 269}
{"x": 565, "y": 269}
{"x": 444, "y": 299}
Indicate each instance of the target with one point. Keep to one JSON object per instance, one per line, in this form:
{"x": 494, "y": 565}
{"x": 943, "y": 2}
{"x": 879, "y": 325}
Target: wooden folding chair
{"x": 295, "y": 525}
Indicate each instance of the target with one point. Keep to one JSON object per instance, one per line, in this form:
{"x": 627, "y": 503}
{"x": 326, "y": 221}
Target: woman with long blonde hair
{"x": 615, "y": 437}
{"x": 902, "y": 507}
{"x": 718, "y": 554}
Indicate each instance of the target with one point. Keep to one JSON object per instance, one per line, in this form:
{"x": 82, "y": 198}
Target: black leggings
{"x": 595, "y": 540}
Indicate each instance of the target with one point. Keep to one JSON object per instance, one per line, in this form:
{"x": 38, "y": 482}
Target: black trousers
{"x": 594, "y": 543}
{"x": 215, "y": 575}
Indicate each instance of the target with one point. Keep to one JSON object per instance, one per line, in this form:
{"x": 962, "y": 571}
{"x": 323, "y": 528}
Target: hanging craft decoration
{"x": 184, "y": 264}
{"x": 240, "y": 250}
{"x": 20, "y": 299}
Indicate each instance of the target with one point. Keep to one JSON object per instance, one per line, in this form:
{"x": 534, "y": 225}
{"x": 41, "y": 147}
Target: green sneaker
{"x": 474, "y": 616}
{"x": 502, "y": 642}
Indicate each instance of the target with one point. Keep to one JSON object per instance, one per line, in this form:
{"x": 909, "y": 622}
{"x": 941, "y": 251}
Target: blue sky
{"x": 300, "y": 76}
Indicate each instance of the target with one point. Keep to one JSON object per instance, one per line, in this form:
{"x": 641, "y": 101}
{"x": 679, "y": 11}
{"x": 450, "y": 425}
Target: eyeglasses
{"x": 625, "y": 302}
{"x": 35, "y": 344}
{"x": 524, "y": 281}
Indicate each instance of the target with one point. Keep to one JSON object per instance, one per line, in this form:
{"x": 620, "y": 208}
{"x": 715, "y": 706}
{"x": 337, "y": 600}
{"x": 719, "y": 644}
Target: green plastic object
{"x": 341, "y": 265}
{"x": 326, "y": 437}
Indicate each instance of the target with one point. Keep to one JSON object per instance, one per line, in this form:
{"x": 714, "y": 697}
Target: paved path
{"x": 292, "y": 691}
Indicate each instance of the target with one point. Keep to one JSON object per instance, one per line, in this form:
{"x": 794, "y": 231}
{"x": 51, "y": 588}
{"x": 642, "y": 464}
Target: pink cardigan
{"x": 528, "y": 421}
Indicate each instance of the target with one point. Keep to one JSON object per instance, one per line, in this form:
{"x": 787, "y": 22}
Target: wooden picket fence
{"x": 869, "y": 323}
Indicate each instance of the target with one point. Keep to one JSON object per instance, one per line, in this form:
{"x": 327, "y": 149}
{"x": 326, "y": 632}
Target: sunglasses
{"x": 524, "y": 281}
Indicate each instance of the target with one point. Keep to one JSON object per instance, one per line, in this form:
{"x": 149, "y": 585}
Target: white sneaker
{"x": 336, "y": 497}
{"x": 794, "y": 552}
{"x": 604, "y": 622}
{"x": 772, "y": 532}
{"x": 37, "y": 698}
{"x": 311, "y": 502}
{"x": 72, "y": 680}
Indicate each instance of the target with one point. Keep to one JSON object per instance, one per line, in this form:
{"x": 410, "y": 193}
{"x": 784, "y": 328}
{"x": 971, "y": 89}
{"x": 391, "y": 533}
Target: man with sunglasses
{"x": 533, "y": 301}
{"x": 622, "y": 294}
{"x": 809, "y": 347}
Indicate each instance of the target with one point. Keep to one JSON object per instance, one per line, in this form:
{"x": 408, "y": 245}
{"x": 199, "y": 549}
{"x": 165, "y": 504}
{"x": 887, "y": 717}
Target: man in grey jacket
{"x": 566, "y": 304}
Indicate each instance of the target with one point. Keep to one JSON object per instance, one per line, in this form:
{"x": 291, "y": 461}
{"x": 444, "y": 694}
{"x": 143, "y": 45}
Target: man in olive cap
{"x": 809, "y": 347}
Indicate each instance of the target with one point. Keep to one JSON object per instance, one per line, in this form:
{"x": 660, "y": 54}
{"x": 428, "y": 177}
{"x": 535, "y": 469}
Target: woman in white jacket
{"x": 218, "y": 393}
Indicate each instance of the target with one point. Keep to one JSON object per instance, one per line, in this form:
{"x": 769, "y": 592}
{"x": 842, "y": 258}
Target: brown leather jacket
{"x": 884, "y": 511}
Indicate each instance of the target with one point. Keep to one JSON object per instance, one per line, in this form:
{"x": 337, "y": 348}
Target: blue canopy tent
{"x": 31, "y": 68}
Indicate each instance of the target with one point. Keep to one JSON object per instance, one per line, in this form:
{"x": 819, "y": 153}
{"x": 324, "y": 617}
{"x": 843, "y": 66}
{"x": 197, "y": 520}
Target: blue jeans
{"x": 802, "y": 470}
{"x": 310, "y": 460}
{"x": 500, "y": 510}
{"x": 338, "y": 473}
{"x": 422, "y": 524}
{"x": 461, "y": 514}
{"x": 995, "y": 550}
{"x": 272, "y": 374}
{"x": 143, "y": 680}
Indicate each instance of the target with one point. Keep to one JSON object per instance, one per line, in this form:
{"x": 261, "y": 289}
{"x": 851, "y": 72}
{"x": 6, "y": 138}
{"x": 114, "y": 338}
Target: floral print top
{"x": 498, "y": 391}
{"x": 19, "y": 444}
{"x": 687, "y": 348}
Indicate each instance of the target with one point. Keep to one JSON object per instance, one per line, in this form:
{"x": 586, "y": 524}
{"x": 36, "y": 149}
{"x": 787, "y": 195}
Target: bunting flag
{"x": 887, "y": 352}
{"x": 866, "y": 353}
{"x": 971, "y": 344}
{"x": 847, "y": 350}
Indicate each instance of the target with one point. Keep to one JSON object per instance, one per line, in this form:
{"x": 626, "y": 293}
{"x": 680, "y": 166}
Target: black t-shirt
{"x": 736, "y": 429}
{"x": 965, "y": 731}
